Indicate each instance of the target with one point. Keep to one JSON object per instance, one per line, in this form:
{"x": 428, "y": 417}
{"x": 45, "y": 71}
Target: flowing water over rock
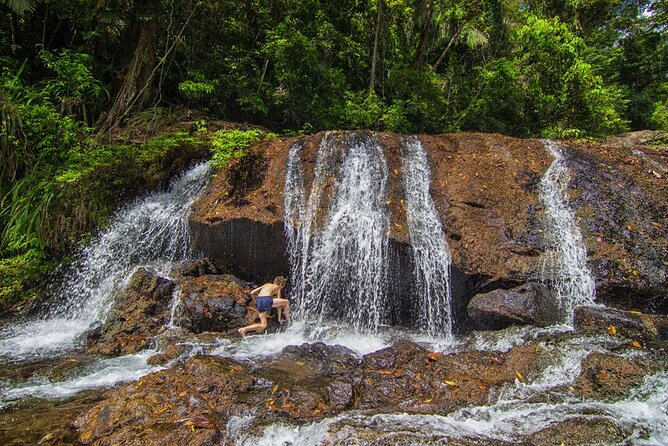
{"x": 339, "y": 254}
{"x": 151, "y": 231}
{"x": 431, "y": 255}
{"x": 565, "y": 269}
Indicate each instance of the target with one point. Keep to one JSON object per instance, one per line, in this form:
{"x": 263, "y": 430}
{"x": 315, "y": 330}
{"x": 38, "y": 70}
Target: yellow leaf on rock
{"x": 633, "y": 312}
{"x": 612, "y": 330}
{"x": 300, "y": 363}
{"x": 519, "y": 375}
{"x": 274, "y": 389}
{"x": 86, "y": 436}
{"x": 636, "y": 344}
{"x": 451, "y": 383}
{"x": 433, "y": 356}
{"x": 428, "y": 400}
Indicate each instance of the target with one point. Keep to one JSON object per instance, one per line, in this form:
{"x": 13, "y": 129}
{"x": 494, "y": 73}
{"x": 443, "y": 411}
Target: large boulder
{"x": 531, "y": 303}
{"x": 140, "y": 312}
{"x": 213, "y": 303}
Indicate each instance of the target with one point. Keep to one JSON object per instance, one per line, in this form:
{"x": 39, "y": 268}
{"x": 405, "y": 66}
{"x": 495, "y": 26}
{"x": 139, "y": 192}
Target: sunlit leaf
{"x": 612, "y": 330}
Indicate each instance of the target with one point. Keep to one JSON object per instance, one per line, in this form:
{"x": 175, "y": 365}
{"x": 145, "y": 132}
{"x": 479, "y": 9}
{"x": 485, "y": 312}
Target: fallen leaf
{"x": 398, "y": 373}
{"x": 629, "y": 227}
{"x": 274, "y": 389}
{"x": 633, "y": 312}
{"x": 602, "y": 375}
{"x": 418, "y": 376}
{"x": 86, "y": 436}
{"x": 635, "y": 344}
{"x": 385, "y": 372}
{"x": 433, "y": 356}
{"x": 428, "y": 400}
{"x": 519, "y": 375}
{"x": 612, "y": 330}
{"x": 236, "y": 368}
{"x": 388, "y": 202}
{"x": 316, "y": 411}
{"x": 655, "y": 173}
{"x": 287, "y": 406}
{"x": 300, "y": 363}
{"x": 451, "y": 383}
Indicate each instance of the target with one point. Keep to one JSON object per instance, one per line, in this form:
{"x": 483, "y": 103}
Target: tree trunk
{"x": 137, "y": 88}
{"x": 427, "y": 11}
{"x": 374, "y": 58}
{"x": 447, "y": 48}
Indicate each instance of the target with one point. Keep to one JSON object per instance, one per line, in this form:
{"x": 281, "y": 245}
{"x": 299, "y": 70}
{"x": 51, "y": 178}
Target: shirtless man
{"x": 269, "y": 296}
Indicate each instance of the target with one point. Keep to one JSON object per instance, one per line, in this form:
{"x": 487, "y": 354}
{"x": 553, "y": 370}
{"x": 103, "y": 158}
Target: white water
{"x": 565, "y": 269}
{"x": 100, "y": 374}
{"x": 152, "y": 231}
{"x": 339, "y": 262}
{"x": 431, "y": 255}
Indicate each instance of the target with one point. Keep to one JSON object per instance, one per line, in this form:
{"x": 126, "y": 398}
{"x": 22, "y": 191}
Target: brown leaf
{"x": 236, "y": 368}
{"x": 385, "y": 372}
{"x": 398, "y": 373}
{"x": 433, "y": 356}
{"x": 612, "y": 330}
{"x": 635, "y": 344}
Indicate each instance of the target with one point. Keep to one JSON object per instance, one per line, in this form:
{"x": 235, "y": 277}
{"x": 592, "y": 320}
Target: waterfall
{"x": 565, "y": 268}
{"x": 431, "y": 255}
{"x": 152, "y": 231}
{"x": 337, "y": 238}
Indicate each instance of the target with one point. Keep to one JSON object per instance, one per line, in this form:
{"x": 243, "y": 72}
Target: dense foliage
{"x": 75, "y": 71}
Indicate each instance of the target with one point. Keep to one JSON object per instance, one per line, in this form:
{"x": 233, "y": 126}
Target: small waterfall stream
{"x": 431, "y": 255}
{"x": 152, "y": 231}
{"x": 565, "y": 267}
{"x": 339, "y": 255}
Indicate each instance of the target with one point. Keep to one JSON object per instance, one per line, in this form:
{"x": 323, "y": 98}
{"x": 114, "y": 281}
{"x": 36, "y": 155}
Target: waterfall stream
{"x": 431, "y": 255}
{"x": 565, "y": 267}
{"x": 152, "y": 231}
{"x": 339, "y": 255}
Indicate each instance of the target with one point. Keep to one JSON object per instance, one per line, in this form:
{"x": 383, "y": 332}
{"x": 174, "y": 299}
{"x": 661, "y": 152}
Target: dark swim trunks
{"x": 264, "y": 303}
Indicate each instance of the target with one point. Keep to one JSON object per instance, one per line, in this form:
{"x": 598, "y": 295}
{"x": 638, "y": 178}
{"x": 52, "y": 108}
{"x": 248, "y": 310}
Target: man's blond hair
{"x": 279, "y": 280}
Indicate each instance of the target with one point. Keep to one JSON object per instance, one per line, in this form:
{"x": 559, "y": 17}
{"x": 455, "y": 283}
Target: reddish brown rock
{"x": 485, "y": 190}
{"x": 213, "y": 303}
{"x": 605, "y": 376}
{"x": 631, "y": 325}
{"x": 138, "y": 315}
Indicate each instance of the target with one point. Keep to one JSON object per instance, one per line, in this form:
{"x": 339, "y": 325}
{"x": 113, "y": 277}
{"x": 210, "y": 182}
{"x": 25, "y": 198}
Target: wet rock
{"x": 185, "y": 405}
{"x": 631, "y": 325}
{"x": 213, "y": 303}
{"x": 198, "y": 267}
{"x": 327, "y": 360}
{"x": 171, "y": 353}
{"x": 609, "y": 377}
{"x": 406, "y": 377}
{"x": 138, "y": 315}
{"x": 580, "y": 431}
{"x": 530, "y": 303}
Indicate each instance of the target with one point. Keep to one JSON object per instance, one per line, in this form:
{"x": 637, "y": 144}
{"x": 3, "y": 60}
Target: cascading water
{"x": 565, "y": 268}
{"x": 339, "y": 263}
{"x": 153, "y": 231}
{"x": 431, "y": 255}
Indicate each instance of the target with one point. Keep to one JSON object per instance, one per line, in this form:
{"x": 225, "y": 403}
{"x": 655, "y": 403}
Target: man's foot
{"x": 242, "y": 332}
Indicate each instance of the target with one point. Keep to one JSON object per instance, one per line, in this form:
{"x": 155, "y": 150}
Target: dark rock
{"x": 530, "y": 303}
{"x": 140, "y": 312}
{"x": 213, "y": 303}
{"x": 171, "y": 353}
{"x": 631, "y": 325}
{"x": 327, "y": 360}
{"x": 580, "y": 431}
{"x": 198, "y": 267}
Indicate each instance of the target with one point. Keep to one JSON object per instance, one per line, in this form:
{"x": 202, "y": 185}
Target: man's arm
{"x": 256, "y": 290}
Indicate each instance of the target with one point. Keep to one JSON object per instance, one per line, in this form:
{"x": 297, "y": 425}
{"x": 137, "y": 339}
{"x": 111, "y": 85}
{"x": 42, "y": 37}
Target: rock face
{"x": 485, "y": 191}
{"x": 138, "y": 315}
{"x": 531, "y": 303}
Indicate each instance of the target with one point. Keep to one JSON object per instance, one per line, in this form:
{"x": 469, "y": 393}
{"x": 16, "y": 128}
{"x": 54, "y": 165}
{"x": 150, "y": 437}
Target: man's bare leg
{"x": 261, "y": 326}
{"x": 283, "y": 308}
